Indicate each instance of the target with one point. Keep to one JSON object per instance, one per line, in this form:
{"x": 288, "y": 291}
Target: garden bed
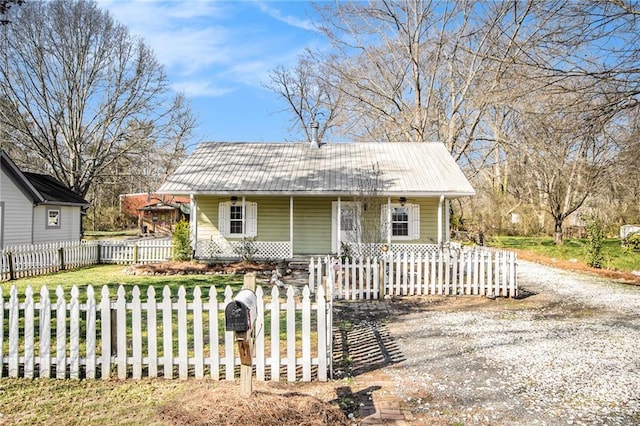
{"x": 187, "y": 268}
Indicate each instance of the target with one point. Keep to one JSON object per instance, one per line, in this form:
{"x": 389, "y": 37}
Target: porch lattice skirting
{"x": 465, "y": 271}
{"x": 234, "y": 249}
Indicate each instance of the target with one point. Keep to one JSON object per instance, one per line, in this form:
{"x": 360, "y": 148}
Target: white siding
{"x": 69, "y": 229}
{"x": 17, "y": 215}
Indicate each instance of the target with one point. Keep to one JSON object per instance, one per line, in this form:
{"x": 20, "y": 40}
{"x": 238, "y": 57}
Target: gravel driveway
{"x": 567, "y": 353}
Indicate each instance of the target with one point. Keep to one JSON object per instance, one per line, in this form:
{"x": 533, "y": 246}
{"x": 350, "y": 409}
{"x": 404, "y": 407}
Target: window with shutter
{"x": 234, "y": 222}
{"x": 405, "y": 221}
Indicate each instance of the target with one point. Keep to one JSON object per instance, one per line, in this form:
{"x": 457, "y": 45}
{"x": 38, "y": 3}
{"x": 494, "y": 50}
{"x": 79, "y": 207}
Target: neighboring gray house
{"x": 290, "y": 199}
{"x": 36, "y": 208}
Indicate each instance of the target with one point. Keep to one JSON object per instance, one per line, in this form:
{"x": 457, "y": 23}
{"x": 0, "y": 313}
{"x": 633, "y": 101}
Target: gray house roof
{"x": 42, "y": 189}
{"x": 223, "y": 168}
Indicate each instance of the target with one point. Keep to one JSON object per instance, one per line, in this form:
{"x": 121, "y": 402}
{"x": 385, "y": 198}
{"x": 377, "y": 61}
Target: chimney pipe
{"x": 314, "y": 135}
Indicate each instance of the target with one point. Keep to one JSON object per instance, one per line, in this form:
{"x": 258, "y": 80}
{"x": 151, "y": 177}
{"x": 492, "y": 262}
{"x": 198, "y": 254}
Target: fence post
{"x": 135, "y": 253}
{"x": 12, "y": 272}
{"x": 99, "y": 260}
{"x": 61, "y": 256}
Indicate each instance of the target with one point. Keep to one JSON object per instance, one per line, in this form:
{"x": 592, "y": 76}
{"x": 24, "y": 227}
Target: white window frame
{"x": 413, "y": 213}
{"x": 400, "y": 222}
{"x": 249, "y": 219}
{"x": 48, "y": 217}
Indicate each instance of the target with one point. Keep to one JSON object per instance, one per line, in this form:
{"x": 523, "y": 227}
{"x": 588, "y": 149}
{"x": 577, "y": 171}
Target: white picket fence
{"x": 127, "y": 337}
{"x": 465, "y": 271}
{"x": 37, "y": 259}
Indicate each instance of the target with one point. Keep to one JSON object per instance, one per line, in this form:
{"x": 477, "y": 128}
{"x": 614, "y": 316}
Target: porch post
{"x": 440, "y": 203}
{"x": 193, "y": 222}
{"x": 447, "y": 220}
{"x": 389, "y": 224}
{"x": 339, "y": 227}
{"x": 291, "y": 226}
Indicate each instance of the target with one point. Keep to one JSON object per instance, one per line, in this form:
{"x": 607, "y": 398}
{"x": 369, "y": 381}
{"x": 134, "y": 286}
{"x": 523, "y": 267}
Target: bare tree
{"x": 79, "y": 88}
{"x": 416, "y": 71}
{"x": 308, "y": 96}
{"x": 563, "y": 155}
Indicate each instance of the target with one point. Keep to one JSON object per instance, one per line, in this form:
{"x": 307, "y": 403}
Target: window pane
{"x": 235, "y": 213}
{"x": 54, "y": 218}
{"x": 400, "y": 214}
{"x": 235, "y": 227}
{"x": 400, "y": 229}
{"x": 347, "y": 220}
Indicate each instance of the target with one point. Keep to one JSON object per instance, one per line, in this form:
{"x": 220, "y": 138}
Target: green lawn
{"x": 616, "y": 257}
{"x": 113, "y": 276}
{"x": 96, "y": 402}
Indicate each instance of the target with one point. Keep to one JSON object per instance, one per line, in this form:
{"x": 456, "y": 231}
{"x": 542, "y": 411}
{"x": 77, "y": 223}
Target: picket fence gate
{"x": 169, "y": 337}
{"x": 36, "y": 259}
{"x": 472, "y": 271}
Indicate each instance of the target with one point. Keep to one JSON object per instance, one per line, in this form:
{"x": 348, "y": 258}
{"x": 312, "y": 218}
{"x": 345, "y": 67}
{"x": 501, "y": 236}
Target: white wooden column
{"x": 291, "y": 226}
{"x": 193, "y": 221}
{"x": 389, "y": 224}
{"x": 440, "y": 227}
{"x": 447, "y": 220}
{"x": 339, "y": 226}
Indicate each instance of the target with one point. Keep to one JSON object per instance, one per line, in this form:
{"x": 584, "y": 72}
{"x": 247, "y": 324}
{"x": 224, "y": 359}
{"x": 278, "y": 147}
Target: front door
{"x": 349, "y": 214}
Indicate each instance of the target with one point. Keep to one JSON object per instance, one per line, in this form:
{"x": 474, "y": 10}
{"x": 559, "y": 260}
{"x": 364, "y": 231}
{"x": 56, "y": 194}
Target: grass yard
{"x": 573, "y": 249}
{"x": 75, "y": 402}
{"x": 157, "y": 401}
{"x": 114, "y": 275}
{"x": 164, "y": 402}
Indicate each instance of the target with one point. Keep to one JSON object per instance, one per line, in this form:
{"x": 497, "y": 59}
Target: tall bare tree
{"x": 417, "y": 71}
{"x": 79, "y": 88}
{"x": 563, "y": 155}
{"x": 308, "y": 96}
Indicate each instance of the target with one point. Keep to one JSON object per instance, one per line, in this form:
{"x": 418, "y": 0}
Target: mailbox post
{"x": 240, "y": 316}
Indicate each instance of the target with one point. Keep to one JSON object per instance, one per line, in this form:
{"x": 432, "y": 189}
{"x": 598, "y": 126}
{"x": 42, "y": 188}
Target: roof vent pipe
{"x": 314, "y": 135}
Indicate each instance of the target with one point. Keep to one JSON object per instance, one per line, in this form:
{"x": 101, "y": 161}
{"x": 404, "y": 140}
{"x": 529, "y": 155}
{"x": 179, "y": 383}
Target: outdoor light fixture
{"x": 403, "y": 201}
{"x": 234, "y": 200}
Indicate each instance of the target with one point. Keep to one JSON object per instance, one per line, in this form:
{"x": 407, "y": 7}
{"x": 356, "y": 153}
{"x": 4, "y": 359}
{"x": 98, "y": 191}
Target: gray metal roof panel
{"x": 337, "y": 168}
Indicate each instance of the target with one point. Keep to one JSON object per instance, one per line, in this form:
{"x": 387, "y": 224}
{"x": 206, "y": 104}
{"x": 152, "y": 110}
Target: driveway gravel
{"x": 568, "y": 352}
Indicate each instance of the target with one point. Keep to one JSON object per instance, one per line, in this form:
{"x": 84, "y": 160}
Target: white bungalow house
{"x": 282, "y": 200}
{"x": 36, "y": 208}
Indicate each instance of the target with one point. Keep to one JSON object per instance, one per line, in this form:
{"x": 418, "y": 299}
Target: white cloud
{"x": 201, "y": 88}
{"x": 212, "y": 48}
{"x": 292, "y": 20}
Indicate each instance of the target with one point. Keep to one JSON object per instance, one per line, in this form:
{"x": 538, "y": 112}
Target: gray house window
{"x": 53, "y": 218}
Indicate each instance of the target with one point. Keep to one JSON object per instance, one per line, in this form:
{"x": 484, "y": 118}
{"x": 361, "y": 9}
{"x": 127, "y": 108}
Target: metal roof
{"x": 425, "y": 169}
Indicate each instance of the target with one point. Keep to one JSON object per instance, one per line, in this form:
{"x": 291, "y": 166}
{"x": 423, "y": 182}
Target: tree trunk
{"x": 557, "y": 235}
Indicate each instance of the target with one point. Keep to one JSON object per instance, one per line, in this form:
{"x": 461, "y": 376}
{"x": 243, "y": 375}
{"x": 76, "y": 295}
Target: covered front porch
{"x": 276, "y": 227}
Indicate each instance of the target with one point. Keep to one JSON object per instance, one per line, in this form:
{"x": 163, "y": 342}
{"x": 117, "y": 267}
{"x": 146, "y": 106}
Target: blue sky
{"x": 220, "y": 52}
